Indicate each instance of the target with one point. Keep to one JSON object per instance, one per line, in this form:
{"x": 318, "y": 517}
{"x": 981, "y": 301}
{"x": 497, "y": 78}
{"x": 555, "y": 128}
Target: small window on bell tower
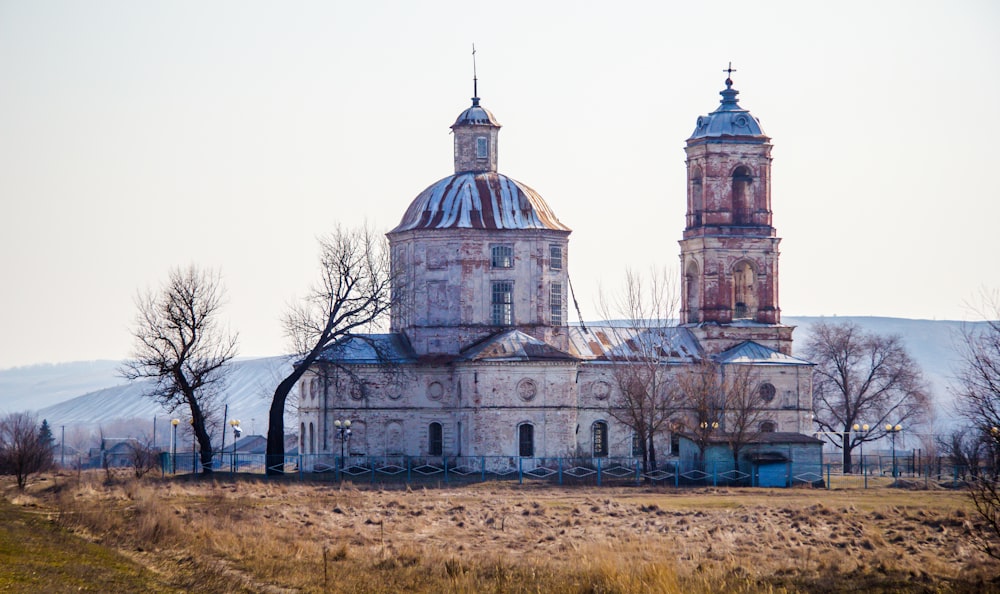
{"x": 482, "y": 147}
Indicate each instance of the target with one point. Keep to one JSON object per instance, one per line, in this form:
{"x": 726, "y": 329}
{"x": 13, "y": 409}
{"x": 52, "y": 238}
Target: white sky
{"x": 137, "y": 136}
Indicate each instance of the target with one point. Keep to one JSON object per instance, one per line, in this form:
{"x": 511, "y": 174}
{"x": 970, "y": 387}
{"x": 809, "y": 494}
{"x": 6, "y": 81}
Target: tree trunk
{"x": 848, "y": 448}
{"x": 275, "y": 457}
{"x": 652, "y": 453}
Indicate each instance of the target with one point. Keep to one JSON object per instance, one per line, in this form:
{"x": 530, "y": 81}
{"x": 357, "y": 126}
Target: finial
{"x": 475, "y": 80}
{"x": 729, "y": 73}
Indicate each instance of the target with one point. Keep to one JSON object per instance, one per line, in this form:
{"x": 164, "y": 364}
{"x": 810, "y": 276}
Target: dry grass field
{"x": 246, "y": 535}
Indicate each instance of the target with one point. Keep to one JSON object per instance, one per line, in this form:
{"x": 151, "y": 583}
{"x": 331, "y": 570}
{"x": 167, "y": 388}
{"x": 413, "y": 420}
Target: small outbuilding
{"x": 768, "y": 459}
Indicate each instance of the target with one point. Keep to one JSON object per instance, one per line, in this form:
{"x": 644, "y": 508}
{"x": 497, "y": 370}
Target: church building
{"x": 481, "y": 359}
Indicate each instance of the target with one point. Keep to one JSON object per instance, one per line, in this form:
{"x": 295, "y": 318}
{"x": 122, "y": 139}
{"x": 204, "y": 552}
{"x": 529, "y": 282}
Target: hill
{"x": 90, "y": 394}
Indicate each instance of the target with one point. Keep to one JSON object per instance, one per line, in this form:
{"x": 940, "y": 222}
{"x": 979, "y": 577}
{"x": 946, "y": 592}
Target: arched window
{"x": 600, "y": 433}
{"x": 697, "y": 198}
{"x": 742, "y": 198}
{"x": 302, "y": 439}
{"x": 526, "y": 440}
{"x": 435, "y": 440}
{"x": 312, "y": 439}
{"x": 744, "y": 292}
{"x": 692, "y": 280}
{"x": 768, "y": 427}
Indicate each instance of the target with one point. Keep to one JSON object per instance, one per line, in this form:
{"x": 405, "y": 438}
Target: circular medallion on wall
{"x": 435, "y": 390}
{"x": 394, "y": 391}
{"x": 357, "y": 393}
{"x": 527, "y": 389}
{"x": 601, "y": 390}
{"x": 767, "y": 392}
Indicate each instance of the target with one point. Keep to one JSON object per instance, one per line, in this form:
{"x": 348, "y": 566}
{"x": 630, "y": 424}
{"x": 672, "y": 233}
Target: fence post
{"x": 828, "y": 476}
{"x": 520, "y": 471}
{"x": 408, "y": 470}
{"x": 715, "y": 473}
{"x": 560, "y": 471}
{"x": 677, "y": 473}
{"x": 482, "y": 465}
{"x": 444, "y": 461}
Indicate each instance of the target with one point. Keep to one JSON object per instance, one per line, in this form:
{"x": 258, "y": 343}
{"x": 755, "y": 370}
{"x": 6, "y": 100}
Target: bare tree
{"x": 977, "y": 391}
{"x": 862, "y": 377}
{"x": 180, "y": 344}
{"x": 701, "y": 387}
{"x": 23, "y": 450}
{"x": 355, "y": 292}
{"x": 743, "y": 406}
{"x": 143, "y": 457}
{"x": 641, "y": 319}
{"x": 967, "y": 447}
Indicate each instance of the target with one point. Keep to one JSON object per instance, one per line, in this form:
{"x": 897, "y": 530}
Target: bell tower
{"x": 729, "y": 251}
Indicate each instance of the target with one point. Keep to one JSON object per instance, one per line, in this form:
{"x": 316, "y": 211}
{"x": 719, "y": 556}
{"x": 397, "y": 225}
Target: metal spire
{"x": 475, "y": 80}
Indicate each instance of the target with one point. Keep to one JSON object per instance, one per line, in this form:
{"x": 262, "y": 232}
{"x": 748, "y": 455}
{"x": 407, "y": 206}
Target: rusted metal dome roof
{"x": 476, "y": 116}
{"x": 728, "y": 120}
{"x": 479, "y": 200}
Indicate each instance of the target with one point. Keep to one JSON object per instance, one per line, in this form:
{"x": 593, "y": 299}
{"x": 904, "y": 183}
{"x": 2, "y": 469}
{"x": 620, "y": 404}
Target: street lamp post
{"x": 861, "y": 444}
{"x": 343, "y": 429}
{"x": 235, "y": 424}
{"x": 893, "y": 430}
{"x": 173, "y": 447}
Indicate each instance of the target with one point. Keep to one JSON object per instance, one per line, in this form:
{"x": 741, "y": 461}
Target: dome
{"x": 728, "y": 120}
{"x": 479, "y": 200}
{"x": 476, "y": 116}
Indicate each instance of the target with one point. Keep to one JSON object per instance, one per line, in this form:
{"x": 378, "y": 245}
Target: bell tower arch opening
{"x": 692, "y": 293}
{"x": 742, "y": 197}
{"x": 744, "y": 291}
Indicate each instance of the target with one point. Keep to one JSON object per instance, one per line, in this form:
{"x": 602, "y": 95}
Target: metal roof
{"x": 514, "y": 345}
{"x": 479, "y": 200}
{"x": 476, "y": 116}
{"x": 729, "y": 120}
{"x": 666, "y": 343}
{"x": 370, "y": 349}
{"x": 750, "y": 352}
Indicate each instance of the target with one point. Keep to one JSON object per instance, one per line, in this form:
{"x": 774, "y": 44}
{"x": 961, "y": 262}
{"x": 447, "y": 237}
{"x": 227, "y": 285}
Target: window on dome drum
{"x": 555, "y": 304}
{"x": 312, "y": 439}
{"x": 555, "y": 257}
{"x": 526, "y": 440}
{"x": 482, "y": 147}
{"x": 502, "y": 256}
{"x": 768, "y": 427}
{"x": 600, "y": 431}
{"x": 302, "y": 438}
{"x": 767, "y": 392}
{"x": 675, "y": 444}
{"x": 435, "y": 440}
{"x": 502, "y": 302}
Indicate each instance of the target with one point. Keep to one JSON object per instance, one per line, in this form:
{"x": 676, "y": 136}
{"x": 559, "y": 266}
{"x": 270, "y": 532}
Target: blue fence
{"x": 475, "y": 469}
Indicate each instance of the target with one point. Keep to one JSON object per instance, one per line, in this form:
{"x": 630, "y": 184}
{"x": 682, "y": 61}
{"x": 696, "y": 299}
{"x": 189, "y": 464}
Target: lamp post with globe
{"x": 892, "y": 430}
{"x": 858, "y": 429}
{"x": 343, "y": 429}
{"x": 173, "y": 456}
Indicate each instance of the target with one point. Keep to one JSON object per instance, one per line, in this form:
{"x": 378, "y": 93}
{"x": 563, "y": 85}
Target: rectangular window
{"x": 435, "y": 440}
{"x": 502, "y": 256}
{"x": 636, "y": 445}
{"x": 556, "y": 304}
{"x": 526, "y": 440}
{"x": 482, "y": 147}
{"x": 600, "y": 439}
{"x": 502, "y": 301}
{"x": 555, "y": 257}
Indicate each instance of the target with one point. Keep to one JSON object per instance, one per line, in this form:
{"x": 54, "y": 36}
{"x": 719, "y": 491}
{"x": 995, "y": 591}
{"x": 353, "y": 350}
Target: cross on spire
{"x": 729, "y": 73}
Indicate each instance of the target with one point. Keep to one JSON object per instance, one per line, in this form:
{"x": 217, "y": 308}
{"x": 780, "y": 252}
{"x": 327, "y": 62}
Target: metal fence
{"x": 475, "y": 469}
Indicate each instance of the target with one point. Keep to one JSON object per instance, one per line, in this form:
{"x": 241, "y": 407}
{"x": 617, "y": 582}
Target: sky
{"x": 140, "y": 136}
